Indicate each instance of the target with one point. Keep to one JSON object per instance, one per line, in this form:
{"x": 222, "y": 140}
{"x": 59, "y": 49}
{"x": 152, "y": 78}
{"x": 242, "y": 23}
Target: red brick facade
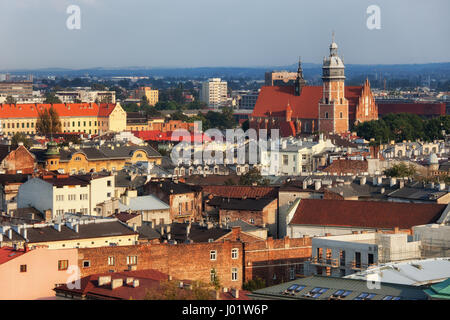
{"x": 270, "y": 260}
{"x": 18, "y": 160}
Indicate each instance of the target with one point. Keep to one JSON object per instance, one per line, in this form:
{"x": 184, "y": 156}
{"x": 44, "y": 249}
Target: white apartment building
{"x": 343, "y": 255}
{"x": 214, "y": 92}
{"x": 296, "y": 155}
{"x": 87, "y": 96}
{"x": 67, "y": 194}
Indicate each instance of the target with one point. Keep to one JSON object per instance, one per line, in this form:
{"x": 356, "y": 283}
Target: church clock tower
{"x": 333, "y": 107}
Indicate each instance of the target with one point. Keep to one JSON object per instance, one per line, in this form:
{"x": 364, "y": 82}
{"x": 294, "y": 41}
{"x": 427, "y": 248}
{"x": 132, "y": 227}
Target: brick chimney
{"x": 236, "y": 232}
{"x": 116, "y": 283}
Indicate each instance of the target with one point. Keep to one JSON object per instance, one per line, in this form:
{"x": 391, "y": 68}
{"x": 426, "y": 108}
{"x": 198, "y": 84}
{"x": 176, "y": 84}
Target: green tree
{"x": 51, "y": 98}
{"x": 171, "y": 290}
{"x": 400, "y": 170}
{"x": 10, "y": 100}
{"x": 254, "y": 284}
{"x": 48, "y": 122}
{"x": 21, "y": 137}
{"x": 252, "y": 177}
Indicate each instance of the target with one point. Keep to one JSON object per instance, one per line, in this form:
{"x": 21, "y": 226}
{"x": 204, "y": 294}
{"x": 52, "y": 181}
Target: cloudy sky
{"x": 193, "y": 33}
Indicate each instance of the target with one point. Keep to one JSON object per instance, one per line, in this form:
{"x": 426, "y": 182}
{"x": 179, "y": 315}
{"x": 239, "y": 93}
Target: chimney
{"x": 441, "y": 186}
{"x": 104, "y": 280}
{"x": 77, "y": 228}
{"x": 382, "y": 190}
{"x": 116, "y": 283}
{"x": 10, "y": 234}
{"x": 135, "y": 283}
{"x": 362, "y": 181}
{"x": 432, "y": 185}
{"x": 25, "y": 233}
{"x": 392, "y": 182}
{"x": 317, "y": 184}
{"x": 305, "y": 184}
{"x": 401, "y": 184}
{"x": 209, "y": 225}
{"x": 235, "y": 293}
{"x": 170, "y": 277}
{"x": 129, "y": 280}
{"x": 57, "y": 226}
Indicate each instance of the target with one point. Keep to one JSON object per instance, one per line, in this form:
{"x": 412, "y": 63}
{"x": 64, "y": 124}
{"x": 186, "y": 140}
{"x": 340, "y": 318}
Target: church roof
{"x": 272, "y": 101}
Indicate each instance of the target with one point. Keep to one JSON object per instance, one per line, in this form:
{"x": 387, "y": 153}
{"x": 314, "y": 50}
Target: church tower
{"x": 333, "y": 107}
{"x": 299, "y": 81}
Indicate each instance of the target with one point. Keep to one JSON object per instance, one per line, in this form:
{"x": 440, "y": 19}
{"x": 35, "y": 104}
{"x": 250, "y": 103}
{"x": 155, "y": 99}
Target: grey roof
{"x": 103, "y": 152}
{"x": 147, "y": 232}
{"x": 240, "y": 204}
{"x": 86, "y": 231}
{"x": 244, "y": 225}
{"x": 334, "y": 284}
{"x": 144, "y": 203}
{"x": 424, "y": 194}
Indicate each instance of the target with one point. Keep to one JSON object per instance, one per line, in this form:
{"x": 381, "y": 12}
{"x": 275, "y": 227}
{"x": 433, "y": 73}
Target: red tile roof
{"x": 157, "y": 135}
{"x": 239, "y": 192}
{"x": 273, "y": 101}
{"x": 31, "y": 110}
{"x": 8, "y": 253}
{"x": 427, "y": 109}
{"x": 365, "y": 214}
{"x": 344, "y": 166}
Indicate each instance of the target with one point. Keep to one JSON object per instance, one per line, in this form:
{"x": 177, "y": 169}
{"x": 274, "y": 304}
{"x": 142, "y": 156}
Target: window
{"x": 234, "y": 253}
{"x": 108, "y": 194}
{"x": 341, "y": 293}
{"x": 213, "y": 255}
{"x": 64, "y": 264}
{"x": 213, "y": 275}
{"x": 86, "y": 264}
{"x": 111, "y": 261}
{"x": 77, "y": 158}
{"x": 292, "y": 273}
{"x": 83, "y": 196}
{"x": 59, "y": 197}
{"x": 365, "y": 296}
{"x": 234, "y": 274}
{"x": 72, "y": 197}
{"x": 317, "y": 292}
{"x": 341, "y": 115}
{"x": 108, "y": 183}
{"x": 132, "y": 260}
{"x": 252, "y": 221}
{"x": 285, "y": 160}
{"x": 23, "y": 268}
{"x": 391, "y": 298}
{"x": 326, "y": 115}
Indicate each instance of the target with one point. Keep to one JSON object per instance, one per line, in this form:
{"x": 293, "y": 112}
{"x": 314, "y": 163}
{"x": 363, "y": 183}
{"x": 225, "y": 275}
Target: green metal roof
{"x": 333, "y": 284}
{"x": 440, "y": 290}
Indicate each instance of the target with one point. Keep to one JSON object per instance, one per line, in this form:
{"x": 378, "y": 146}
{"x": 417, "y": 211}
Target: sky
{"x": 213, "y": 33}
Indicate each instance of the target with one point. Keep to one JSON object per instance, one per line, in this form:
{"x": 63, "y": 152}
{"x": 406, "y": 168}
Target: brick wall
{"x": 181, "y": 261}
{"x": 262, "y": 259}
{"x": 272, "y": 260}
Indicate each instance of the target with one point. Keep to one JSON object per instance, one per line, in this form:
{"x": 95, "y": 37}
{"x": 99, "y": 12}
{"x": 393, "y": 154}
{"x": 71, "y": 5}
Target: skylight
{"x": 365, "y": 296}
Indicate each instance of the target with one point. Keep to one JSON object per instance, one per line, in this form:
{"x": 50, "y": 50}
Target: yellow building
{"x": 151, "y": 94}
{"x": 109, "y": 157}
{"x": 89, "y": 118}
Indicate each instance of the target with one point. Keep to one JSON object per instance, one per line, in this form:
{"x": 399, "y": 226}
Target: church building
{"x": 330, "y": 108}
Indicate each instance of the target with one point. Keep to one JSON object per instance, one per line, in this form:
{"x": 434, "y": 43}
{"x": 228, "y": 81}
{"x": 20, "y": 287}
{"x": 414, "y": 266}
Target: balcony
{"x": 357, "y": 265}
{"x": 329, "y": 262}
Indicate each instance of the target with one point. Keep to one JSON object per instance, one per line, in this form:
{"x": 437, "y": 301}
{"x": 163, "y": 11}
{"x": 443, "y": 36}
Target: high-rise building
{"x": 214, "y": 92}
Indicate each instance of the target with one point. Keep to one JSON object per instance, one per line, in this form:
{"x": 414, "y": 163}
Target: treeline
{"x": 404, "y": 126}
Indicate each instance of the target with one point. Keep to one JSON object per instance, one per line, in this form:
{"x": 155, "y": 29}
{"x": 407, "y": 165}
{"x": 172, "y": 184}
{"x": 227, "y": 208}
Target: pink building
{"x": 32, "y": 274}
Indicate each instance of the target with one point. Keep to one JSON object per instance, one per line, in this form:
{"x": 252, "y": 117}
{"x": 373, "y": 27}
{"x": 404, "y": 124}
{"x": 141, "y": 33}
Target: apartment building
{"x": 88, "y": 96}
{"x": 152, "y": 95}
{"x": 90, "y": 118}
{"x": 59, "y": 194}
{"x": 214, "y": 92}
{"x": 19, "y": 90}
{"x": 342, "y": 255}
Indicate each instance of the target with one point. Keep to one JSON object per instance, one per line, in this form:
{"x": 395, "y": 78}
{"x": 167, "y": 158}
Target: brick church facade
{"x": 332, "y": 107}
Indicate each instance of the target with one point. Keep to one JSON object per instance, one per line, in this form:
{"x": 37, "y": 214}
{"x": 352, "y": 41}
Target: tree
{"x": 48, "y": 122}
{"x": 253, "y": 177}
{"x": 10, "y": 100}
{"x": 400, "y": 170}
{"x": 51, "y": 98}
{"x": 21, "y": 137}
{"x": 171, "y": 290}
{"x": 254, "y": 284}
